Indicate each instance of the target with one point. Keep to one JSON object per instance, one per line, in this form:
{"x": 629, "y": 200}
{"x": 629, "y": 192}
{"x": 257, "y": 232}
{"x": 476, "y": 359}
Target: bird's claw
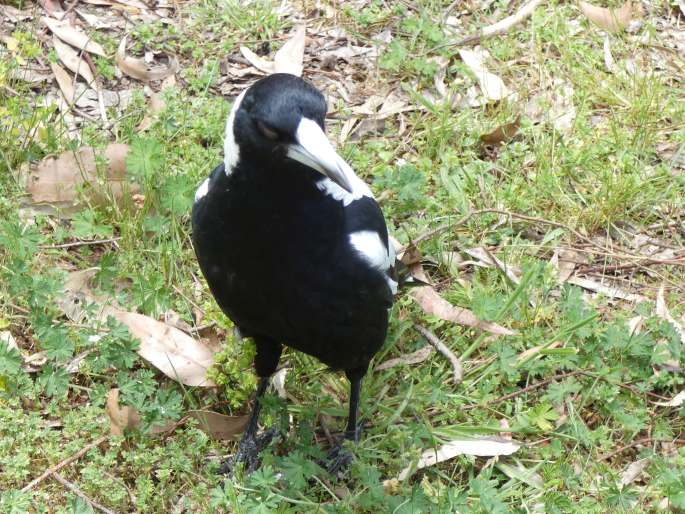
{"x": 248, "y": 452}
{"x": 338, "y": 459}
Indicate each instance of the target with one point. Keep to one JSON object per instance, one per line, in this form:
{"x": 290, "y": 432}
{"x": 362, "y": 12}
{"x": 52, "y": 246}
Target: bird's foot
{"x": 248, "y": 452}
{"x": 338, "y": 459}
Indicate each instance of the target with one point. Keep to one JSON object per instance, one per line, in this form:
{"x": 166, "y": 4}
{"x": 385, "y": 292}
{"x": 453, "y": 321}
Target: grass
{"x": 578, "y": 408}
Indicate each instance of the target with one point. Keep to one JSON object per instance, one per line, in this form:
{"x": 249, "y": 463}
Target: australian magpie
{"x": 292, "y": 243}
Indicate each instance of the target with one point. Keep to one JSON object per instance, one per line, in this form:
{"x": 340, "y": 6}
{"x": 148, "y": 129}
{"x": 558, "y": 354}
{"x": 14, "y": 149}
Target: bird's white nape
{"x": 202, "y": 190}
{"x": 231, "y": 149}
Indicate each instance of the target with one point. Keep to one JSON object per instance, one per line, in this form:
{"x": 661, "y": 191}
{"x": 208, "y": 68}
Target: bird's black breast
{"x": 275, "y": 252}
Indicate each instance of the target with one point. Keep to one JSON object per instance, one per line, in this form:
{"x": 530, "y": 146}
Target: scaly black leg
{"x": 266, "y": 361}
{"x": 339, "y": 458}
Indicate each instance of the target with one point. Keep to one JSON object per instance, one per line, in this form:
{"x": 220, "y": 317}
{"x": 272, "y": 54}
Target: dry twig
{"x": 64, "y": 463}
{"x": 72, "y": 487}
{"x": 457, "y": 370}
{"x": 502, "y": 26}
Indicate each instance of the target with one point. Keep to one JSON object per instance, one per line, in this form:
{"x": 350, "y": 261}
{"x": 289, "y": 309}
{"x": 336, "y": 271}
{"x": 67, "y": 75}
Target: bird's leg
{"x": 251, "y": 444}
{"x": 339, "y": 457}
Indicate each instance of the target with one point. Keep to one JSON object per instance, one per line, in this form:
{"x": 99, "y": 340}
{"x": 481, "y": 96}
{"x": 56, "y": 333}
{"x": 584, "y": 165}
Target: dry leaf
{"x": 220, "y": 426}
{"x": 432, "y": 303}
{"x": 290, "y": 56}
{"x": 74, "y": 36}
{"x": 139, "y": 69}
{"x": 120, "y": 418}
{"x": 278, "y": 381}
{"x": 485, "y": 447}
{"x": 611, "y": 292}
{"x": 288, "y": 59}
{"x": 64, "y": 81}
{"x": 155, "y": 104}
{"x": 491, "y": 85}
{"x": 502, "y": 133}
{"x": 554, "y": 105}
{"x": 608, "y": 58}
{"x": 613, "y": 20}
{"x": 56, "y": 180}
{"x": 170, "y": 350}
{"x": 72, "y": 60}
{"x": 419, "y": 355}
{"x": 564, "y": 261}
{"x": 488, "y": 259}
{"x": 633, "y": 471}
{"x": 676, "y": 401}
{"x": 7, "y": 338}
{"x": 663, "y": 312}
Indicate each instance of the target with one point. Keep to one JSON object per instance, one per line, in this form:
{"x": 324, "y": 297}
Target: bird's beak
{"x": 313, "y": 149}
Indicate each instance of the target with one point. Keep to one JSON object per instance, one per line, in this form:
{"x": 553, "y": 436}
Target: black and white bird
{"x": 292, "y": 243}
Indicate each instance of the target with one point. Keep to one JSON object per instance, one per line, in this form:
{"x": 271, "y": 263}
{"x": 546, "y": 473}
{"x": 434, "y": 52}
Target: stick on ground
{"x": 457, "y": 370}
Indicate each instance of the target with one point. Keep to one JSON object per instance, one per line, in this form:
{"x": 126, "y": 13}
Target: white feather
{"x": 231, "y": 149}
{"x": 359, "y": 190}
{"x": 202, "y": 190}
{"x": 368, "y": 243}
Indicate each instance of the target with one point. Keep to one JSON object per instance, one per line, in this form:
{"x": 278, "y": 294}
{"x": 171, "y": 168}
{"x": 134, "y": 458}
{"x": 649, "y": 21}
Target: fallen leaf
{"x": 7, "y": 338}
{"x": 290, "y": 56}
{"x": 432, "y": 303}
{"x": 220, "y": 426}
{"x": 72, "y": 60}
{"x": 120, "y": 418}
{"x": 663, "y": 312}
{"x": 610, "y": 291}
{"x": 613, "y": 20}
{"x": 502, "y": 133}
{"x": 139, "y": 69}
{"x": 419, "y": 355}
{"x": 55, "y": 181}
{"x": 633, "y": 471}
{"x": 74, "y": 36}
{"x": 608, "y": 58}
{"x": 635, "y": 324}
{"x": 64, "y": 81}
{"x": 564, "y": 261}
{"x": 490, "y": 260}
{"x": 485, "y": 447}
{"x": 288, "y": 59}
{"x": 278, "y": 381}
{"x": 491, "y": 85}
{"x": 155, "y": 106}
{"x": 554, "y": 105}
{"x": 676, "y": 401}
{"x": 170, "y": 350}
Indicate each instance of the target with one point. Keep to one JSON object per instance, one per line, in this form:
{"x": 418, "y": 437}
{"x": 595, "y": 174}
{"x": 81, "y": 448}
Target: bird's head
{"x": 282, "y": 116}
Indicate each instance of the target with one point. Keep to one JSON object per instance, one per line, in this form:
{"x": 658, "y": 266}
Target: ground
{"x": 555, "y": 146}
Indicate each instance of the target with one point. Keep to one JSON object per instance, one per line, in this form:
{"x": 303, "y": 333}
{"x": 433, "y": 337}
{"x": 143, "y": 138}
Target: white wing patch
{"x": 359, "y": 190}
{"x": 231, "y": 149}
{"x": 368, "y": 243}
{"x": 202, "y": 190}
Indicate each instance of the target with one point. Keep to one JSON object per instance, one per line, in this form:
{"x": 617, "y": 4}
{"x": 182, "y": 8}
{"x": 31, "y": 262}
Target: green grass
{"x": 605, "y": 173}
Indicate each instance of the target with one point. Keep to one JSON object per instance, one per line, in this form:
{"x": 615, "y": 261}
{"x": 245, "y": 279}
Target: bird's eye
{"x": 267, "y": 131}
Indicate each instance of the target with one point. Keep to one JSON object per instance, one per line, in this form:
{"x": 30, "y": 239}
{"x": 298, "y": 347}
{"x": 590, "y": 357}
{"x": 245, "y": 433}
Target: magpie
{"x": 293, "y": 245}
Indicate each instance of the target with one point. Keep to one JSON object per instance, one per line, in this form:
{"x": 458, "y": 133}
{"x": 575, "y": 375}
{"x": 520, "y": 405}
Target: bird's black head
{"x": 280, "y": 118}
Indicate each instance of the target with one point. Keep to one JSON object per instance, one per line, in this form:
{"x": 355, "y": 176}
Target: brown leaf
{"x": 613, "y": 20}
{"x": 288, "y": 59}
{"x": 139, "y": 69}
{"x": 419, "y": 355}
{"x": 155, "y": 104}
{"x": 72, "y": 60}
{"x": 120, "y": 418}
{"x": 502, "y": 133}
{"x": 220, "y": 426}
{"x": 56, "y": 180}
{"x": 74, "y": 36}
{"x": 564, "y": 261}
{"x": 64, "y": 81}
{"x": 170, "y": 350}
{"x": 432, "y": 303}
